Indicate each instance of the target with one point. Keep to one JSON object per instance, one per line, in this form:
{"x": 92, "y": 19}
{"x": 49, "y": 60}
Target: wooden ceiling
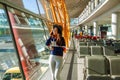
{"x": 75, "y": 7}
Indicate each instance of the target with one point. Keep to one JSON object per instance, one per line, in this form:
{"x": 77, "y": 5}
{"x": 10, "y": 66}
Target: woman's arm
{"x": 48, "y": 42}
{"x": 63, "y": 43}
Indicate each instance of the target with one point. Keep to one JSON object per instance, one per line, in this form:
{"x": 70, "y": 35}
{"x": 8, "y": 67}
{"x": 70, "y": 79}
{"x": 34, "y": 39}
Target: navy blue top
{"x": 56, "y": 50}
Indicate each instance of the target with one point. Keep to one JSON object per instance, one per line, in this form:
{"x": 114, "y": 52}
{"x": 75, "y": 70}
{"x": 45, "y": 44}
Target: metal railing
{"x": 90, "y": 8}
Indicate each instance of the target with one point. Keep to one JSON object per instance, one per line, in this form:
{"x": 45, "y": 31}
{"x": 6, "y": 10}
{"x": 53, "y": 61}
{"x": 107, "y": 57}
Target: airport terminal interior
{"x": 91, "y": 29}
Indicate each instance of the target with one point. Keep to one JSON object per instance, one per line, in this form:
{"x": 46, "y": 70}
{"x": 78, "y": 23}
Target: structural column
{"x": 92, "y": 5}
{"x": 89, "y": 7}
{"x": 89, "y": 31}
{"x": 86, "y": 29}
{"x": 115, "y": 25}
{"x": 96, "y": 2}
{"x": 95, "y": 30}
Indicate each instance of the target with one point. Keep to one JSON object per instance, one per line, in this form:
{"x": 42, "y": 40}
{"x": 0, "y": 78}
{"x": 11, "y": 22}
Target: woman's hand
{"x": 51, "y": 48}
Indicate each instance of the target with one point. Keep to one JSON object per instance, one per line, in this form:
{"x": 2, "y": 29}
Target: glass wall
{"x": 8, "y": 57}
{"x": 28, "y": 32}
{"x": 30, "y": 36}
{"x": 74, "y": 21}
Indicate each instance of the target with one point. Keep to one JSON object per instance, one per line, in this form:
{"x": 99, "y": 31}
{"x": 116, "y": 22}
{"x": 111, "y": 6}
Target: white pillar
{"x": 89, "y": 31}
{"x": 87, "y": 10}
{"x": 89, "y": 7}
{"x": 115, "y": 25}
{"x": 92, "y": 5}
{"x": 86, "y": 29}
{"x": 96, "y": 2}
{"x": 95, "y": 28}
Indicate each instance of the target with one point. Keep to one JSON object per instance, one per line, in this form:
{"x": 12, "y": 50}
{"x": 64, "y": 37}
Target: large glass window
{"x": 73, "y": 21}
{"x": 29, "y": 32}
{"x": 8, "y": 58}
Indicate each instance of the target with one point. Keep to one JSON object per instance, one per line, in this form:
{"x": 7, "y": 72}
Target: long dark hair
{"x": 59, "y": 28}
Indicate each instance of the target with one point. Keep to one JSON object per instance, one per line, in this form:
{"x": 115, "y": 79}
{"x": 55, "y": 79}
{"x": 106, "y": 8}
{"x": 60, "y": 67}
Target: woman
{"x": 56, "y": 43}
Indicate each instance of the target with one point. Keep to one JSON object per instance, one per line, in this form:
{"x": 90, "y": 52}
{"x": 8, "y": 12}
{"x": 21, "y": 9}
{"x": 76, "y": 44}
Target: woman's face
{"x": 55, "y": 31}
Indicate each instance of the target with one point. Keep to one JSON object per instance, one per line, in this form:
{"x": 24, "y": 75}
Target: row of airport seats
{"x": 100, "y": 42}
{"x": 102, "y": 68}
{"x": 79, "y": 43}
{"x": 87, "y": 44}
{"x": 91, "y": 43}
{"x": 101, "y": 62}
{"x": 95, "y": 50}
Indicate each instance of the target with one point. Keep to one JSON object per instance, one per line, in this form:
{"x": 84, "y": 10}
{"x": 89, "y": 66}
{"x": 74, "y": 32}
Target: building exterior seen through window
{"x": 8, "y": 58}
{"x": 29, "y": 33}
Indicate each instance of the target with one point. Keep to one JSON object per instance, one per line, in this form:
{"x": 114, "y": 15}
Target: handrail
{"x": 86, "y": 13}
